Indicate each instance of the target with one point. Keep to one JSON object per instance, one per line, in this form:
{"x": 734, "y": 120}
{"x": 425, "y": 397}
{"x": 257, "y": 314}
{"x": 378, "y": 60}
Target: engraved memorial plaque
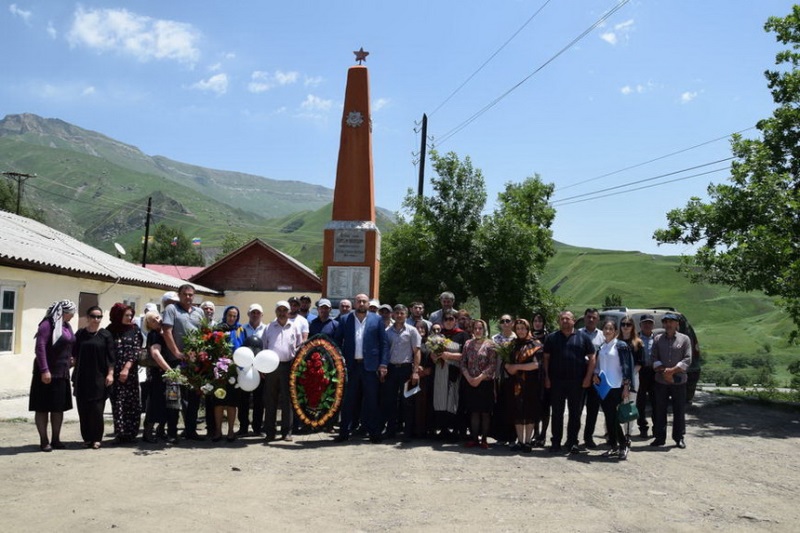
{"x": 349, "y": 245}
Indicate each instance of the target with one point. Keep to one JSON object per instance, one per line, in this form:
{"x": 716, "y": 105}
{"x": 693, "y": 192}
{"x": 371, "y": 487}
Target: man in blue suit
{"x": 362, "y": 338}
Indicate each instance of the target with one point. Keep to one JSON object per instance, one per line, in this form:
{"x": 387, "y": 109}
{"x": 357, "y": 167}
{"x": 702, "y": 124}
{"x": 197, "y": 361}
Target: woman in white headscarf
{"x": 50, "y": 387}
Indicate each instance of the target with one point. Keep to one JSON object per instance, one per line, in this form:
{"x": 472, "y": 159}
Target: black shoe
{"x": 46, "y": 448}
{"x": 194, "y": 436}
{"x": 590, "y": 443}
{"x": 58, "y": 445}
{"x": 679, "y": 443}
{"x": 574, "y": 449}
{"x": 658, "y": 442}
{"x": 241, "y": 432}
{"x": 516, "y": 447}
{"x": 526, "y": 448}
{"x": 643, "y": 433}
{"x": 375, "y": 439}
{"x": 555, "y": 448}
{"x": 342, "y": 437}
{"x": 172, "y": 440}
{"x": 611, "y": 452}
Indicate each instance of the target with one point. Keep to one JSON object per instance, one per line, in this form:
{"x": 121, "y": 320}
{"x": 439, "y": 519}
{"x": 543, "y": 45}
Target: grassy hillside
{"x": 731, "y": 325}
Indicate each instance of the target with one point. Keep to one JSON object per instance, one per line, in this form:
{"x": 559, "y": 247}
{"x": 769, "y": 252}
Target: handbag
{"x": 145, "y": 359}
{"x": 627, "y": 412}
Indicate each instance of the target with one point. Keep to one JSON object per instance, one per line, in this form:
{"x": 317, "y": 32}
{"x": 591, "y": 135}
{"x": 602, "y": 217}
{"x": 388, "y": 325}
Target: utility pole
{"x": 422, "y": 154}
{"x": 20, "y": 179}
{"x": 147, "y": 231}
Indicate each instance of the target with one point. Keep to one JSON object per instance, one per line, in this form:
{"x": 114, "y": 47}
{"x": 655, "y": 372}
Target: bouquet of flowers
{"x": 439, "y": 343}
{"x": 504, "y": 351}
{"x": 174, "y": 376}
{"x": 208, "y": 366}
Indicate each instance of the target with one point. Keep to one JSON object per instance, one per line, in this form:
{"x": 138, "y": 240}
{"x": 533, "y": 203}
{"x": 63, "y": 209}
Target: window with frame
{"x": 8, "y": 316}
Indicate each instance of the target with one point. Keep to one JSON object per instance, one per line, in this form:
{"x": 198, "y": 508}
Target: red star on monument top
{"x": 361, "y": 55}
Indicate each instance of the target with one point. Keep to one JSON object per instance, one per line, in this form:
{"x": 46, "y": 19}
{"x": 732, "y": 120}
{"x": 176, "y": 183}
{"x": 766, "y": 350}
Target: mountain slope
{"x": 238, "y": 190}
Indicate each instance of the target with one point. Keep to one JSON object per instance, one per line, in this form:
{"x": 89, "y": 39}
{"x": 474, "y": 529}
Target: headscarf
{"x": 224, "y": 320}
{"x": 116, "y": 314}
{"x": 56, "y": 313}
{"x": 539, "y": 334}
{"x": 237, "y": 334}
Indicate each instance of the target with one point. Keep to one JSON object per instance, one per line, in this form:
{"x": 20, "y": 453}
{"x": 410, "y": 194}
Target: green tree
{"x": 445, "y": 244}
{"x": 8, "y": 202}
{"x": 231, "y": 242}
{"x": 613, "y": 300}
{"x": 170, "y": 246}
{"x": 748, "y": 231}
{"x": 512, "y": 249}
{"x": 433, "y": 250}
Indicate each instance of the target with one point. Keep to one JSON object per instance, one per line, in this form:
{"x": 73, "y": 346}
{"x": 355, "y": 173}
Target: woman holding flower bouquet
{"x": 225, "y": 408}
{"x": 125, "y": 403}
{"x": 478, "y": 365}
{"x": 523, "y": 369}
{"x": 158, "y": 411}
{"x": 446, "y": 353}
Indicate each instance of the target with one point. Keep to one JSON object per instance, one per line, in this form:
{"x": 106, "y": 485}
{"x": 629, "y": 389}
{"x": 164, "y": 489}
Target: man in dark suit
{"x": 362, "y": 338}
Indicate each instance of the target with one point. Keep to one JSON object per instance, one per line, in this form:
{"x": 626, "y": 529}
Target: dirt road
{"x": 739, "y": 472}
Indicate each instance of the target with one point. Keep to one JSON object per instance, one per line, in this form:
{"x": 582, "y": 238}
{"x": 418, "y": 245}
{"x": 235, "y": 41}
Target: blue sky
{"x": 258, "y": 87}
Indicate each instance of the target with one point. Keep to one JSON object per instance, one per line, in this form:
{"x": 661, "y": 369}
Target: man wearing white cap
{"x": 254, "y": 328}
{"x": 323, "y": 323}
{"x": 284, "y": 339}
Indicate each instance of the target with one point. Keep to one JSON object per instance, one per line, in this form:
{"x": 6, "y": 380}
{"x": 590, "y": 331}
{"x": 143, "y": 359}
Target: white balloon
{"x": 266, "y": 361}
{"x": 249, "y": 379}
{"x": 243, "y": 357}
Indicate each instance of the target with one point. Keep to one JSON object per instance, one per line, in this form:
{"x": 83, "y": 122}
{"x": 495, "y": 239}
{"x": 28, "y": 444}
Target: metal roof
{"x": 26, "y": 243}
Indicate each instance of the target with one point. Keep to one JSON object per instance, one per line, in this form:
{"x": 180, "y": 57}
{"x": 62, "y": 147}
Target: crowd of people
{"x": 444, "y": 376}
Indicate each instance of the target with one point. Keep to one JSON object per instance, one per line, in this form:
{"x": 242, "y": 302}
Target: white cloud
{"x": 51, "y": 30}
{"x": 379, "y": 104}
{"x": 315, "y": 103}
{"x": 21, "y": 13}
{"x": 639, "y": 88}
{"x": 215, "y": 67}
{"x": 145, "y": 38}
{"x": 64, "y": 92}
{"x": 312, "y": 82}
{"x": 609, "y": 37}
{"x": 688, "y": 96}
{"x": 218, "y": 83}
{"x": 261, "y": 81}
{"x": 619, "y": 31}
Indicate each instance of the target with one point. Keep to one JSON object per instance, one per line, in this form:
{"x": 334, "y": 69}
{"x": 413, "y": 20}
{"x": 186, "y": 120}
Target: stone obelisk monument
{"x": 351, "y": 256}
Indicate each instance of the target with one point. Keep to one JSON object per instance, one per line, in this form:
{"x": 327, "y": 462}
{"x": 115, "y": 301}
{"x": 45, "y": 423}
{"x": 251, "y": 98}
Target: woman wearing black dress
{"x": 50, "y": 392}
{"x": 93, "y": 375}
{"x": 158, "y": 412}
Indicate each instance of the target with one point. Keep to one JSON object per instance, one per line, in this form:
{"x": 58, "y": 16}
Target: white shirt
{"x": 608, "y": 362}
{"x": 300, "y": 323}
{"x": 360, "y": 326}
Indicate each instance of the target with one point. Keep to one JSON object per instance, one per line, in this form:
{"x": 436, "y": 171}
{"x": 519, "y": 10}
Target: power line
{"x": 457, "y": 89}
{"x": 565, "y": 201}
{"x": 497, "y": 100}
{"x": 559, "y": 189}
{"x": 647, "y": 186}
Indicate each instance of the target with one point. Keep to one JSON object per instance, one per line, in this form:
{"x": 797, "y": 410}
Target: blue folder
{"x": 603, "y": 387}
